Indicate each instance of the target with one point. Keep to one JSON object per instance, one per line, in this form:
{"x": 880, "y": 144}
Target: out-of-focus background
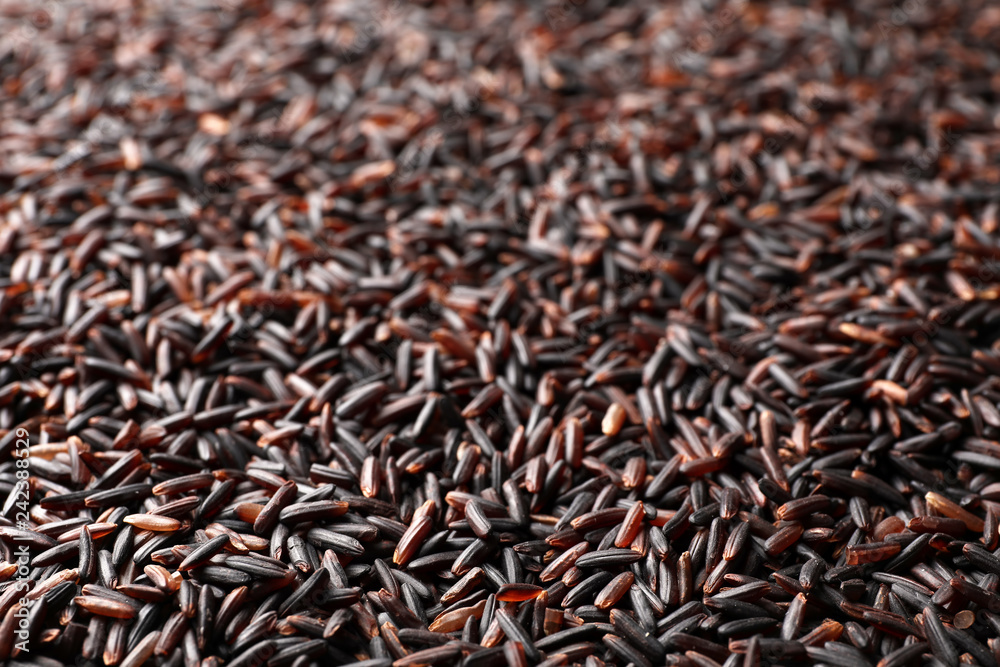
{"x": 198, "y": 114}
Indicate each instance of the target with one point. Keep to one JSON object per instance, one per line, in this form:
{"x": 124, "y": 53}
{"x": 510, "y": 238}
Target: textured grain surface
{"x": 503, "y": 334}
